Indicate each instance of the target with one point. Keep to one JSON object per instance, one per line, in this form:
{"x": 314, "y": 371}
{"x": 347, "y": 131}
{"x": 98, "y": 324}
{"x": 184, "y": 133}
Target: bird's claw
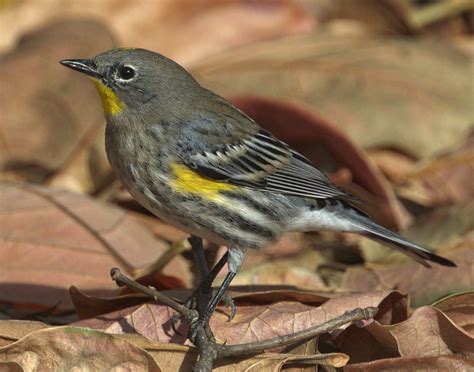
{"x": 230, "y": 303}
{"x": 199, "y": 327}
{"x": 176, "y": 317}
{"x": 191, "y": 303}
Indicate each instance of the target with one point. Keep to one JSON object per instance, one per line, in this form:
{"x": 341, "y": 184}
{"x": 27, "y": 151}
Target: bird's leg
{"x": 199, "y": 257}
{"x": 235, "y": 260}
{"x": 204, "y": 288}
{"x": 201, "y": 295}
{"x": 235, "y": 257}
{"x": 206, "y": 285}
{"x": 207, "y": 282}
{"x": 218, "y": 296}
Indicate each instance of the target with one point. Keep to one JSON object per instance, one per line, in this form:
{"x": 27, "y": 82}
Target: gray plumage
{"x": 168, "y": 118}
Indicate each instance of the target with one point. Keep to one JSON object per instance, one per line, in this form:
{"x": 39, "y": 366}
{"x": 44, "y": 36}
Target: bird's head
{"x": 131, "y": 80}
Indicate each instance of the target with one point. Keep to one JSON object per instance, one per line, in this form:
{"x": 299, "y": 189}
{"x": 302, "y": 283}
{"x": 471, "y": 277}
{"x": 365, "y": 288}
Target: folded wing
{"x": 264, "y": 162}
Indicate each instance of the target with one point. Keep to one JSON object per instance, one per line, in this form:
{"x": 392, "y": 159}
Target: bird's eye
{"x": 126, "y": 73}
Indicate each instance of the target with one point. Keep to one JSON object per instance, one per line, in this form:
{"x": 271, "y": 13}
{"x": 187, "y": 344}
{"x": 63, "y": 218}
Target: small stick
{"x": 209, "y": 350}
{"x": 331, "y": 325}
{"x": 122, "y": 280}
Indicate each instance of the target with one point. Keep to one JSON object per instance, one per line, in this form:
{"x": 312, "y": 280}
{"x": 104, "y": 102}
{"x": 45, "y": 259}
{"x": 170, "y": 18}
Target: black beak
{"x": 86, "y": 66}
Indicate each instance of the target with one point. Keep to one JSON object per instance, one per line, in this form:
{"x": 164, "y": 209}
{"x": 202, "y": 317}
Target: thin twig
{"x": 331, "y": 325}
{"x": 122, "y": 280}
{"x": 208, "y": 348}
{"x": 204, "y": 340}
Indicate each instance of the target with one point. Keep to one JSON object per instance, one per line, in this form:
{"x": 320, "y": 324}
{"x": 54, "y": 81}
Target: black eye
{"x": 126, "y": 73}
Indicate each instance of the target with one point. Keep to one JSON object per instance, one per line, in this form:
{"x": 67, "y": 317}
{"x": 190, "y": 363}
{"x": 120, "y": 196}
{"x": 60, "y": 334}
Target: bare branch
{"x": 331, "y": 325}
{"x": 201, "y": 334}
{"x": 122, "y": 280}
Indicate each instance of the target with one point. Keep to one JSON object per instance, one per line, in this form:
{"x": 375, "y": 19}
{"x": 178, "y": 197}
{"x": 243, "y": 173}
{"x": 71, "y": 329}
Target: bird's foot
{"x": 198, "y": 329}
{"x": 192, "y": 304}
{"x": 230, "y": 303}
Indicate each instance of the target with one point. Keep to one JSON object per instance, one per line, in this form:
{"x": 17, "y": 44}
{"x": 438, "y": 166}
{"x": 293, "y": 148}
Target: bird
{"x": 196, "y": 161}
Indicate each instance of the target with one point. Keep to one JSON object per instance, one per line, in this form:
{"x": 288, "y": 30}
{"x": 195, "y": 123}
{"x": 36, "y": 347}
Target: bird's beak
{"x": 87, "y": 66}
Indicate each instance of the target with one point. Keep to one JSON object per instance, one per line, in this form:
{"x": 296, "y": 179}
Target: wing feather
{"x": 264, "y": 162}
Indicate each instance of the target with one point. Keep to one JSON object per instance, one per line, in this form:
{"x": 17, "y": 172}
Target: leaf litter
{"x": 369, "y": 110}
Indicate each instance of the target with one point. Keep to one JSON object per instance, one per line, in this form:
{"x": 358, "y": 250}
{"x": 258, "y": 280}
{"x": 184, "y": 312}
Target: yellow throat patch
{"x": 110, "y": 101}
{"x": 188, "y": 181}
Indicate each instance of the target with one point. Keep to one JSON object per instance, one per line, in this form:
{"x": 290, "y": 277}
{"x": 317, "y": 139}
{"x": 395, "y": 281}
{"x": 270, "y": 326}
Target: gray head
{"x": 135, "y": 80}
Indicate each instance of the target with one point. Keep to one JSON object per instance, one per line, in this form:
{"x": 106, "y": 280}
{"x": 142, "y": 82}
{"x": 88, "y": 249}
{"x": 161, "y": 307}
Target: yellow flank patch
{"x": 110, "y": 101}
{"x": 189, "y": 181}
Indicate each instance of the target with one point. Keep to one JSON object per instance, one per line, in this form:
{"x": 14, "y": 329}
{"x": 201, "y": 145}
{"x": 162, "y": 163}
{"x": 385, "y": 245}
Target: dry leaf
{"x": 406, "y": 94}
{"x": 10, "y": 367}
{"x": 428, "y": 332}
{"x": 254, "y": 320}
{"x": 422, "y": 284}
{"x": 460, "y": 309}
{"x": 159, "y": 228}
{"x": 173, "y": 357}
{"x": 44, "y": 121}
{"x": 393, "y": 164}
{"x": 440, "y": 335}
{"x": 438, "y": 231}
{"x": 70, "y": 348}
{"x": 290, "y": 261}
{"x": 74, "y": 347}
{"x": 445, "y": 180}
{"x": 187, "y": 29}
{"x": 280, "y": 272}
{"x": 88, "y": 306}
{"x": 51, "y": 239}
{"x": 441, "y": 17}
{"x": 431, "y": 363}
{"x": 13, "y": 330}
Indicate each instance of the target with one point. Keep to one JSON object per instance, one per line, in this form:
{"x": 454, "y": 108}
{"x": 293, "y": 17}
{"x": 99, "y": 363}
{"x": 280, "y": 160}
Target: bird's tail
{"x": 376, "y": 232}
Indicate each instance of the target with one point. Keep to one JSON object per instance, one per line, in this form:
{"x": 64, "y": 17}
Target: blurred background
{"x": 379, "y": 93}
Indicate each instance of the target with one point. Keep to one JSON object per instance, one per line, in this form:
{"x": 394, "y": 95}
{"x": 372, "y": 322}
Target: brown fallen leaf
{"x": 431, "y": 363}
{"x": 280, "y": 272}
{"x": 51, "y": 239}
{"x": 444, "y": 180}
{"x": 290, "y": 261}
{"x": 441, "y": 18}
{"x": 11, "y": 367}
{"x": 87, "y": 306}
{"x": 159, "y": 228}
{"x": 439, "y": 230}
{"x": 92, "y": 306}
{"x": 380, "y": 17}
{"x": 44, "y": 122}
{"x": 62, "y": 342}
{"x": 257, "y": 323}
{"x": 13, "y": 330}
{"x": 460, "y": 309}
{"x": 69, "y": 348}
{"x": 422, "y": 284}
{"x": 173, "y": 357}
{"x": 390, "y": 92}
{"x": 427, "y": 332}
{"x": 187, "y": 29}
{"x": 440, "y": 335}
{"x": 253, "y": 321}
{"x": 393, "y": 164}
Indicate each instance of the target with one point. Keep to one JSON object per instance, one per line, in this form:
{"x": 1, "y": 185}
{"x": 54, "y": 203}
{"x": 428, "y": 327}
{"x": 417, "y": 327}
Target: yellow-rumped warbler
{"x": 196, "y": 161}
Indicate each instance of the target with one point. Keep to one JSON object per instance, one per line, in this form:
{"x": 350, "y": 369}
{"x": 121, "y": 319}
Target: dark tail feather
{"x": 393, "y": 240}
